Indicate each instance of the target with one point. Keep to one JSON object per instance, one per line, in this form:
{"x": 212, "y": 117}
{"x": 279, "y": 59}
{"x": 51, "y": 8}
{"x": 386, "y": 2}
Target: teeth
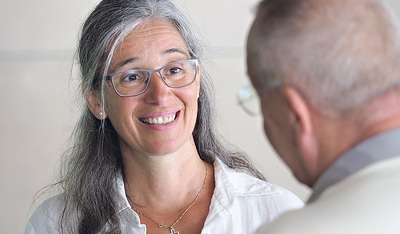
{"x": 159, "y": 120}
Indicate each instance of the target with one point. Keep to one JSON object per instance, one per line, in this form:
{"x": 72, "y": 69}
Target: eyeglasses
{"x": 135, "y": 82}
{"x": 248, "y": 100}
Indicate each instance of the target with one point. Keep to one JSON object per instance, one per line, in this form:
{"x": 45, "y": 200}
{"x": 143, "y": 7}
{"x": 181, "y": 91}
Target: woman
{"x": 146, "y": 158}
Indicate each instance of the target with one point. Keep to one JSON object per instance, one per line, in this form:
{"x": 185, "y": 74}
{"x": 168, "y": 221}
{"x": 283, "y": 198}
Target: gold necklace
{"x": 171, "y": 227}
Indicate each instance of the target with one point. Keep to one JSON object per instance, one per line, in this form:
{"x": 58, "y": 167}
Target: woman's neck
{"x": 163, "y": 182}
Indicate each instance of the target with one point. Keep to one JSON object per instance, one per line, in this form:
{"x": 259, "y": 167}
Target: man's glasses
{"x": 248, "y": 100}
{"x": 135, "y": 82}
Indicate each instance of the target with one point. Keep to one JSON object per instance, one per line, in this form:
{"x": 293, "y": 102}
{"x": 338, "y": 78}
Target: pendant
{"x": 172, "y": 231}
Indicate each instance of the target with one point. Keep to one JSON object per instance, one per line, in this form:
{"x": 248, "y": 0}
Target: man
{"x": 328, "y": 76}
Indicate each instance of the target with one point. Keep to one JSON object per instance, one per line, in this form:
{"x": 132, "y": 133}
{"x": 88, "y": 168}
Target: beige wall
{"x": 38, "y": 106}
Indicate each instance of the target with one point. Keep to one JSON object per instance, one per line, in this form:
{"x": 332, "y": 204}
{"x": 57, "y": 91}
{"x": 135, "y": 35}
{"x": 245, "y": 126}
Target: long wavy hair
{"x": 92, "y": 163}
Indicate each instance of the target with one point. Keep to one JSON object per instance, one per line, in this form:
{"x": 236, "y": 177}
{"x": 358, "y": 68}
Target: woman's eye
{"x": 131, "y": 77}
{"x": 174, "y": 70}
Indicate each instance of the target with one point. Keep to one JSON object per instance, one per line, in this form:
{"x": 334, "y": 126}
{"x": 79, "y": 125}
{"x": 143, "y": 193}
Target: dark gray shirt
{"x": 380, "y": 147}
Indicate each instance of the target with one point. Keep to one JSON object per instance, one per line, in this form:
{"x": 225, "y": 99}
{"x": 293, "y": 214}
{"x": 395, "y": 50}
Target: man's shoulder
{"x": 373, "y": 182}
{"x": 368, "y": 198}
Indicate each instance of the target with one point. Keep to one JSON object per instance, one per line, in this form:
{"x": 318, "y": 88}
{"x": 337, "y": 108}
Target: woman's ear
{"x": 95, "y": 104}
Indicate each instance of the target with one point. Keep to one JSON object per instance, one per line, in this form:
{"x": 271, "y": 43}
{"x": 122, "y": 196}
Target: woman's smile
{"x": 161, "y": 119}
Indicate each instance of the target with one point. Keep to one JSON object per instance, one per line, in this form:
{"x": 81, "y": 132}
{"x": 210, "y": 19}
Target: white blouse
{"x": 240, "y": 205}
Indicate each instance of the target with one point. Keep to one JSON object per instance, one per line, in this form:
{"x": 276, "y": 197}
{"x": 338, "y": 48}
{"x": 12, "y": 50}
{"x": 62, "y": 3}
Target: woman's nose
{"x": 157, "y": 92}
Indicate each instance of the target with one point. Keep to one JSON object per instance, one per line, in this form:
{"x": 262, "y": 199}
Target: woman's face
{"x": 150, "y": 46}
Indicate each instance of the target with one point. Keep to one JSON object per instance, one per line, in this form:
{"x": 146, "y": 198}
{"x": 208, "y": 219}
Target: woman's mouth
{"x": 160, "y": 120}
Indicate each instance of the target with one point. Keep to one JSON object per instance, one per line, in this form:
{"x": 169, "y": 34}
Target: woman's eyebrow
{"x": 123, "y": 63}
{"x": 176, "y": 50}
{"x": 134, "y": 59}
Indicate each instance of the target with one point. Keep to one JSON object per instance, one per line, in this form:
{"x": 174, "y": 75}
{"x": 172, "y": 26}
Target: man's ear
{"x": 299, "y": 107}
{"x": 95, "y": 104}
{"x": 303, "y": 122}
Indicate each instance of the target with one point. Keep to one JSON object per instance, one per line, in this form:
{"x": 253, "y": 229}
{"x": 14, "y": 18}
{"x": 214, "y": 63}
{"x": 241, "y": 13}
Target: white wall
{"x": 37, "y": 42}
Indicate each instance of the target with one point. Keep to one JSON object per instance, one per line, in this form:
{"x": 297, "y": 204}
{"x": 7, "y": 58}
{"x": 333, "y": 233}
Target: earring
{"x": 101, "y": 113}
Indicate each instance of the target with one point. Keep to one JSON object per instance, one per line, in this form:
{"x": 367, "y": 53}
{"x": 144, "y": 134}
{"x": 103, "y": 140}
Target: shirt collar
{"x": 223, "y": 199}
{"x": 372, "y": 150}
{"x": 224, "y": 192}
{"x": 229, "y": 184}
{"x": 121, "y": 200}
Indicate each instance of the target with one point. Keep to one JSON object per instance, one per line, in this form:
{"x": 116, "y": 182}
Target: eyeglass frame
{"x": 196, "y": 63}
{"x": 245, "y": 95}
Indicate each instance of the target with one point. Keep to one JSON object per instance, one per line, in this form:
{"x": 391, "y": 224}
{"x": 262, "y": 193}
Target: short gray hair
{"x": 338, "y": 53}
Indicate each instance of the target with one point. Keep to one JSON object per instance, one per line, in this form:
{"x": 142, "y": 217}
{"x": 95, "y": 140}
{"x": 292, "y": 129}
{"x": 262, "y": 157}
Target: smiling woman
{"x": 146, "y": 157}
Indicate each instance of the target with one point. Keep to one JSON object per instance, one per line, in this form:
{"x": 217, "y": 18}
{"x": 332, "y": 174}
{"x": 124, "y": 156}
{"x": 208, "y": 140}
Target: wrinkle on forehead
{"x": 149, "y": 41}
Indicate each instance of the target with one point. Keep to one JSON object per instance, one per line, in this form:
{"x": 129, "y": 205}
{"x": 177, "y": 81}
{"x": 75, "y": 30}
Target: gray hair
{"x": 338, "y": 53}
{"x": 94, "y": 160}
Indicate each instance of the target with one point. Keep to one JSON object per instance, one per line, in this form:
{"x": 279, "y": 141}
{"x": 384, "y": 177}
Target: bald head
{"x": 339, "y": 54}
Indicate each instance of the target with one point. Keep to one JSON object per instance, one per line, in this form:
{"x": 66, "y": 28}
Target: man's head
{"x": 317, "y": 65}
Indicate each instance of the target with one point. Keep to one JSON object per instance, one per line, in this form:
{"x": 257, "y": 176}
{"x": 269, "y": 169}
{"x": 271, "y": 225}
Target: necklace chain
{"x": 171, "y": 227}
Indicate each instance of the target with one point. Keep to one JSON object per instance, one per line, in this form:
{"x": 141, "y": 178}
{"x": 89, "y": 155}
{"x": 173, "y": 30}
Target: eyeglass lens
{"x": 134, "y": 82}
{"x": 248, "y": 100}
